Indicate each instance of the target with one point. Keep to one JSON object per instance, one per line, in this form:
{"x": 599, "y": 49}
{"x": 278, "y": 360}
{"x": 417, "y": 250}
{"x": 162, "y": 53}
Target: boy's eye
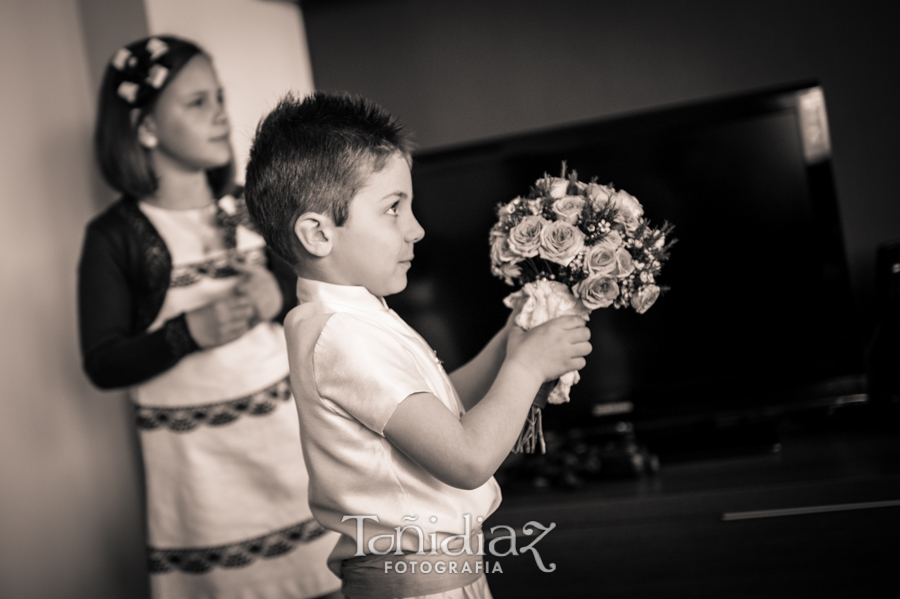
{"x": 197, "y": 102}
{"x": 393, "y": 209}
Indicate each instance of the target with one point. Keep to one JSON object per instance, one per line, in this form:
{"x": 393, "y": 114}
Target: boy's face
{"x": 374, "y": 247}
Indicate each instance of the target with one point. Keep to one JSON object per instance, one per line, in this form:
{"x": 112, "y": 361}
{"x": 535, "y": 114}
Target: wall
{"x": 475, "y": 69}
{"x": 71, "y": 515}
{"x": 70, "y": 518}
{"x": 259, "y": 49}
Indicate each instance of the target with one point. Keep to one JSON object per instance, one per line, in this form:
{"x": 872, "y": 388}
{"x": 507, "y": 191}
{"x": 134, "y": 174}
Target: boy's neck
{"x": 319, "y": 271}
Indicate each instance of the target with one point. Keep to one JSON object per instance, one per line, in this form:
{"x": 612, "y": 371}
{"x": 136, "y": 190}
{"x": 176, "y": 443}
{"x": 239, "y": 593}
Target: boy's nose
{"x": 415, "y": 233}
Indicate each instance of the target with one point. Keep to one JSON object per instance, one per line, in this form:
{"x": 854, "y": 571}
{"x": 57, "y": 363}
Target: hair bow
{"x": 140, "y": 70}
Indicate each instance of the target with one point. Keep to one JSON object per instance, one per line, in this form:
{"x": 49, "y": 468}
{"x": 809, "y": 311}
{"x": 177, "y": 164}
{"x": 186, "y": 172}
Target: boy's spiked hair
{"x": 313, "y": 155}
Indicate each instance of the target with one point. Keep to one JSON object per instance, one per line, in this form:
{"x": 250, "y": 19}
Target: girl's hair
{"x": 132, "y": 83}
{"x": 314, "y": 154}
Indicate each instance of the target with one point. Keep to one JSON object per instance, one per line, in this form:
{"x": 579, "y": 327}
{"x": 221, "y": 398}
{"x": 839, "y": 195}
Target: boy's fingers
{"x": 581, "y": 333}
{"x": 571, "y": 321}
{"x": 583, "y": 348}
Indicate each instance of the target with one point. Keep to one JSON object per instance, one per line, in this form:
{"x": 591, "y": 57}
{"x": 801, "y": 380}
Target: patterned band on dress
{"x": 186, "y": 418}
{"x": 220, "y": 267}
{"x": 197, "y": 560}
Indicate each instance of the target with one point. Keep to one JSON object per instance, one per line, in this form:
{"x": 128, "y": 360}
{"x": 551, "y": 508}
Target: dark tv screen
{"x": 759, "y": 313}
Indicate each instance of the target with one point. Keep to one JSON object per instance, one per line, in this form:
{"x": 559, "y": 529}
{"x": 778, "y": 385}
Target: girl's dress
{"x": 228, "y": 513}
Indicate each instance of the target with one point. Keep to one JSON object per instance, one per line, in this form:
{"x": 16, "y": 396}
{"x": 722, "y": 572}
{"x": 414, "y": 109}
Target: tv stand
{"x": 816, "y": 519}
{"x": 710, "y": 439}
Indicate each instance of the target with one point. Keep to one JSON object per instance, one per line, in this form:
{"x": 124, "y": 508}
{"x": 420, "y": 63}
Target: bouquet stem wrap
{"x": 543, "y": 300}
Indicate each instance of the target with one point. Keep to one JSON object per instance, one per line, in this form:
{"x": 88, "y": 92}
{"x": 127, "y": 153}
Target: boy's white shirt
{"x": 353, "y": 361}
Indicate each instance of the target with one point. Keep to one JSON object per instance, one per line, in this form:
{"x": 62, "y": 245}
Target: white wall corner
{"x": 259, "y": 49}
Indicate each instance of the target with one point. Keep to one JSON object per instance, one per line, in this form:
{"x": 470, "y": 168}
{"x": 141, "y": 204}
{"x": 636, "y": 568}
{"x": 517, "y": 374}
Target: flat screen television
{"x": 760, "y": 315}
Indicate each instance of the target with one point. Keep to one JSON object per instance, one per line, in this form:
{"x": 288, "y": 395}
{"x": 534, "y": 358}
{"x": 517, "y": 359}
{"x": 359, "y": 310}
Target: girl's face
{"x": 189, "y": 120}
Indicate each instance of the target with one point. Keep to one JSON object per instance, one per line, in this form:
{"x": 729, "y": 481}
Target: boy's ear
{"x": 315, "y": 232}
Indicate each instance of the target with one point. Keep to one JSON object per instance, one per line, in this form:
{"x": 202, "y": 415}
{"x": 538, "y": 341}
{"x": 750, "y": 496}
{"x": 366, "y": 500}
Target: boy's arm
{"x": 465, "y": 453}
{"x": 473, "y": 379}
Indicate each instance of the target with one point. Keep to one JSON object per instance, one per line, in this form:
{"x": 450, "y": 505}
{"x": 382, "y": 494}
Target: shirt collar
{"x": 352, "y": 296}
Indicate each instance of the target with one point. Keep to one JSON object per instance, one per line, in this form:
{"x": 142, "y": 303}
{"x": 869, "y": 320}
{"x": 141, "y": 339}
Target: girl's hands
{"x": 552, "y": 349}
{"x": 255, "y": 298}
{"x": 221, "y": 321}
{"x": 261, "y": 288}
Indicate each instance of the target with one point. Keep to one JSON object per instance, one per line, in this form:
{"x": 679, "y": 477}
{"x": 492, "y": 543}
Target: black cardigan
{"x": 123, "y": 276}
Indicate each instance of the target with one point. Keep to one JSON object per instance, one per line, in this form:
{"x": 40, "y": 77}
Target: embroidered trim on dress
{"x": 185, "y": 418}
{"x": 235, "y": 555}
{"x": 220, "y": 267}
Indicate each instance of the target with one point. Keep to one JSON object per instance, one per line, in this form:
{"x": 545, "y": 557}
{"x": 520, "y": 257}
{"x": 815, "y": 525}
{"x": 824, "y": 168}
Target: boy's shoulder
{"x": 313, "y": 326}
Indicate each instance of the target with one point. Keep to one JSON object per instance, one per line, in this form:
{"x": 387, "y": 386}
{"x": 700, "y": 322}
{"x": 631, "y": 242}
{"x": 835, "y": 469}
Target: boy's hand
{"x": 552, "y": 349}
{"x": 261, "y": 288}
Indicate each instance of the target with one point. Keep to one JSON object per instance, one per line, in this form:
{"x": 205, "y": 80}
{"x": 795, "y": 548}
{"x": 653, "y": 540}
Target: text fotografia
{"x": 444, "y": 567}
{"x": 501, "y": 545}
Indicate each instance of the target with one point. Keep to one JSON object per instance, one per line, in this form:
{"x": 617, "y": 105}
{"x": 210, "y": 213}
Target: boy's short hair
{"x": 313, "y": 155}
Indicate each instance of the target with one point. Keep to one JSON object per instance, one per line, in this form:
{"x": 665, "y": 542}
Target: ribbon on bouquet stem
{"x": 532, "y": 435}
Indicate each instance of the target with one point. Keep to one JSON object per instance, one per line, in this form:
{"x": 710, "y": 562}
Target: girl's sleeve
{"x": 364, "y": 370}
{"x": 113, "y": 355}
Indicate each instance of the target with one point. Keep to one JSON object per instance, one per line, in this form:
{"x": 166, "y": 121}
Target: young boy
{"x": 401, "y": 456}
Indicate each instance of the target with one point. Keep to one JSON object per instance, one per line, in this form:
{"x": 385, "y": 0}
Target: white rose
{"x": 613, "y": 238}
{"x": 568, "y": 208}
{"x": 557, "y": 187}
{"x": 630, "y": 210}
{"x": 600, "y": 259}
{"x": 644, "y": 298}
{"x": 599, "y": 194}
{"x": 597, "y": 291}
{"x": 525, "y": 237}
{"x": 624, "y": 263}
{"x": 500, "y": 251}
{"x": 560, "y": 242}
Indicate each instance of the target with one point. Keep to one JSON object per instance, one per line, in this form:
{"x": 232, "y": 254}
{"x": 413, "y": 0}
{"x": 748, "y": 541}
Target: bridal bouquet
{"x": 573, "y": 247}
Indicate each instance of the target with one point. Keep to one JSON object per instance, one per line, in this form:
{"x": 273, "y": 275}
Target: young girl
{"x": 178, "y": 303}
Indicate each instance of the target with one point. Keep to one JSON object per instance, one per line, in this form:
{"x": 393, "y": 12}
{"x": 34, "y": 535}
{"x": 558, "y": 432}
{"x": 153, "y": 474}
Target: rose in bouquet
{"x": 573, "y": 247}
